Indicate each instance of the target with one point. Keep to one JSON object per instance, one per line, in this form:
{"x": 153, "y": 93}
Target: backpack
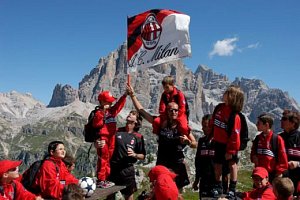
{"x": 274, "y": 144}
{"x": 244, "y": 136}
{"x": 29, "y": 175}
{"x": 90, "y": 133}
{"x": 187, "y": 109}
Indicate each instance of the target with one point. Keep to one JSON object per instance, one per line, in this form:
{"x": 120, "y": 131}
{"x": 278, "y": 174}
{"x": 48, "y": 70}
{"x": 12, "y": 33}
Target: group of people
{"x": 216, "y": 161}
{"x": 53, "y": 180}
{"x": 119, "y": 148}
{"x": 274, "y": 155}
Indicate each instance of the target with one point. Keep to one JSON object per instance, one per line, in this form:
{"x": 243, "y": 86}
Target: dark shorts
{"x": 178, "y": 168}
{"x": 124, "y": 176}
{"x": 220, "y": 151}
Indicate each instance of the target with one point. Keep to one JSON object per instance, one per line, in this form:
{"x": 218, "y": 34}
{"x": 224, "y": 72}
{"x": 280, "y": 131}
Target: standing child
{"x": 204, "y": 160}
{"x": 10, "y": 189}
{"x": 226, "y": 147}
{"x": 262, "y": 154}
{"x": 105, "y": 121}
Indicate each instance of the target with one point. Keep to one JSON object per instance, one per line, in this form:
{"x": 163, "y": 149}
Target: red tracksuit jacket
{"x": 220, "y": 121}
{"x": 108, "y": 128}
{"x": 165, "y": 187}
{"x": 265, "y": 193}
{"x": 266, "y": 157}
{"x": 21, "y": 193}
{"x": 52, "y": 183}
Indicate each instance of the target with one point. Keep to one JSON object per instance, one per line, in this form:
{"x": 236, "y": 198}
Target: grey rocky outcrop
{"x": 63, "y": 95}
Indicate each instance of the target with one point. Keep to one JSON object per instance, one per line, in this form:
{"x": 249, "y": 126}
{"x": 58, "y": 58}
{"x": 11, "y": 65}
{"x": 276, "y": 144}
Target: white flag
{"x": 157, "y": 36}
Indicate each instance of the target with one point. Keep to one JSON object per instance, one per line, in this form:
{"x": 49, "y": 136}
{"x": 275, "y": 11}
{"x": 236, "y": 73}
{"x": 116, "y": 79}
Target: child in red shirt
{"x": 164, "y": 186}
{"x": 263, "y": 189}
{"x": 105, "y": 120}
{"x": 10, "y": 189}
{"x": 53, "y": 175}
{"x": 227, "y": 145}
{"x": 262, "y": 154}
{"x": 172, "y": 94}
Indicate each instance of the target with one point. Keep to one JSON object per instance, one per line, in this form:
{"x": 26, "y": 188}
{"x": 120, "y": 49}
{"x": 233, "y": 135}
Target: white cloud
{"x": 253, "y": 46}
{"x": 250, "y": 46}
{"x": 224, "y": 47}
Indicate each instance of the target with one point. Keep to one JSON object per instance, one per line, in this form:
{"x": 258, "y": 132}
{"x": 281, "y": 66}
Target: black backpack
{"x": 244, "y": 136}
{"x": 187, "y": 109}
{"x": 90, "y": 133}
{"x": 29, "y": 175}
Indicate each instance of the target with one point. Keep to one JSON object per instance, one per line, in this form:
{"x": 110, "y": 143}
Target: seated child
{"x": 53, "y": 175}
{"x": 283, "y": 188}
{"x": 10, "y": 188}
{"x": 164, "y": 186}
{"x": 263, "y": 189}
{"x": 69, "y": 162}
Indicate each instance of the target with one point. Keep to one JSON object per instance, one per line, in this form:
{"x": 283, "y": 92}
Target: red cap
{"x": 260, "y": 171}
{"x": 6, "y": 165}
{"x": 158, "y": 170}
{"x": 106, "y": 96}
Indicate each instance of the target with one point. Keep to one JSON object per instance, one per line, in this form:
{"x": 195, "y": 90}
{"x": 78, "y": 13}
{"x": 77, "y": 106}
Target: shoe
{"x": 105, "y": 184}
{"x": 216, "y": 193}
{"x": 231, "y": 195}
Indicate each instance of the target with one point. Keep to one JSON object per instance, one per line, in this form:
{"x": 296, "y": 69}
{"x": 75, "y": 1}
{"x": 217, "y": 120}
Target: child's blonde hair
{"x": 284, "y": 187}
{"x": 235, "y": 97}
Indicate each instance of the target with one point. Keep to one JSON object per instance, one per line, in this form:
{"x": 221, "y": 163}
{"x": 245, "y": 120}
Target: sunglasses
{"x": 173, "y": 110}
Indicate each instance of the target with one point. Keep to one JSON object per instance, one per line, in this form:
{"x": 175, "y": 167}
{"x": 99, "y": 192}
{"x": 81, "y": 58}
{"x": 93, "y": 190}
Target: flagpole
{"x": 128, "y": 73}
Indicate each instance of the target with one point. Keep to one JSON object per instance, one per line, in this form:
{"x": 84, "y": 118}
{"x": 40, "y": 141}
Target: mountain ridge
{"x": 27, "y": 125}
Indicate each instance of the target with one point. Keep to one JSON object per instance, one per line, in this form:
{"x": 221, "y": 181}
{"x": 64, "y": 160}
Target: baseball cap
{"x": 6, "y": 165}
{"x": 106, "y": 96}
{"x": 260, "y": 171}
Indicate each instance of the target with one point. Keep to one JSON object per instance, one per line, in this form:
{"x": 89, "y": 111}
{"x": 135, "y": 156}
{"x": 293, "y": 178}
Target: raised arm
{"x": 138, "y": 106}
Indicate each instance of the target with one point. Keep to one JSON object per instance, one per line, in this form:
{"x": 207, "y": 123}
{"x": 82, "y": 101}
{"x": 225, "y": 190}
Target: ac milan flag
{"x": 157, "y": 36}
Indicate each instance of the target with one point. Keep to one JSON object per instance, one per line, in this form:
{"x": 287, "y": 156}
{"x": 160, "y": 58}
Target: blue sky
{"x": 43, "y": 43}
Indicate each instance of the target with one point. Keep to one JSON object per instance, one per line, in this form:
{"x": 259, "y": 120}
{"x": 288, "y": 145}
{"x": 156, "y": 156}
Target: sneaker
{"x": 104, "y": 184}
{"x": 216, "y": 193}
{"x": 231, "y": 195}
{"x": 109, "y": 184}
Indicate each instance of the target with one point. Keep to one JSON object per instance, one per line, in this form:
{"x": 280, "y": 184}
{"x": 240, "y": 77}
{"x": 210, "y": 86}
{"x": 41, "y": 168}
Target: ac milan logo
{"x": 132, "y": 142}
{"x": 151, "y": 31}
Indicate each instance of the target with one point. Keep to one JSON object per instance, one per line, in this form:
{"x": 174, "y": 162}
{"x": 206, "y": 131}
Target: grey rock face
{"x": 63, "y": 95}
{"x": 203, "y": 89}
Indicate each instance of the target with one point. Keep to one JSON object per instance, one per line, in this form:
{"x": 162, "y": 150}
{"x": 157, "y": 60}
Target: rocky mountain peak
{"x": 203, "y": 88}
{"x": 63, "y": 95}
{"x": 15, "y": 105}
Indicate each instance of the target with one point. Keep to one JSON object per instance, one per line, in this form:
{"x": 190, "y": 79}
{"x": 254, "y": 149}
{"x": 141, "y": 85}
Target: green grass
{"x": 244, "y": 184}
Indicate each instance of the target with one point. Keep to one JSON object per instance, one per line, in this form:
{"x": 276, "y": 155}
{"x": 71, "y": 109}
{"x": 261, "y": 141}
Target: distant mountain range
{"x": 27, "y": 125}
